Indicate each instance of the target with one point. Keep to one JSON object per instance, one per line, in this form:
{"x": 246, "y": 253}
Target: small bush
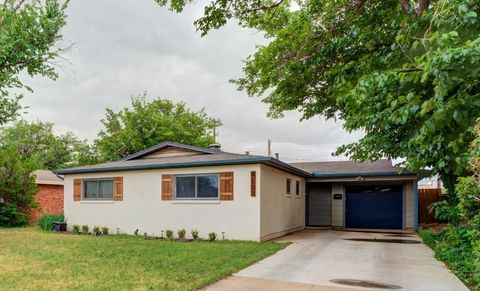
{"x": 195, "y": 234}
{"x": 46, "y": 221}
{"x": 76, "y": 228}
{"x": 96, "y": 229}
{"x": 181, "y": 234}
{"x": 85, "y": 228}
{"x": 169, "y": 234}
{"x": 105, "y": 230}
{"x": 212, "y": 236}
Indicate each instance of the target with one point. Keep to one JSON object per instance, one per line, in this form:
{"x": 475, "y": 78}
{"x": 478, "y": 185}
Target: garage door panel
{"x": 374, "y": 207}
{"x": 320, "y": 205}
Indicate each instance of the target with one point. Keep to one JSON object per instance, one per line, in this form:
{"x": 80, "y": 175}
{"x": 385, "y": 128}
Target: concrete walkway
{"x": 317, "y": 257}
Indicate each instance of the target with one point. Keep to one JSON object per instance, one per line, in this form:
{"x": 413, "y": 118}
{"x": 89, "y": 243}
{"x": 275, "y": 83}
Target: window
{"x": 196, "y": 187}
{"x": 98, "y": 189}
{"x": 297, "y": 187}
{"x": 289, "y": 186}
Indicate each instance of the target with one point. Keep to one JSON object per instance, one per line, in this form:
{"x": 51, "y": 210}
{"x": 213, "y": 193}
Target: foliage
{"x": 38, "y": 142}
{"x": 105, "y": 230}
{"x": 181, "y": 234}
{"x": 407, "y": 77}
{"x": 85, "y": 228}
{"x": 17, "y": 188}
{"x": 76, "y": 228}
{"x": 446, "y": 212}
{"x": 96, "y": 229}
{"x": 194, "y": 233}
{"x": 169, "y": 234}
{"x": 149, "y": 123}
{"x": 29, "y": 34}
{"x": 163, "y": 265}
{"x": 212, "y": 236}
{"x": 459, "y": 250}
{"x": 46, "y": 221}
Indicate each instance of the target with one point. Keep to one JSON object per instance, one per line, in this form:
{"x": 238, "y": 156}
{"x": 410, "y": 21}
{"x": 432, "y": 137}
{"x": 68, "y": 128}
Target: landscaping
{"x": 47, "y": 260}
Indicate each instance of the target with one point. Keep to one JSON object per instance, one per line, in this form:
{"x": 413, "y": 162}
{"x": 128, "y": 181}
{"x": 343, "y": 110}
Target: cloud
{"x": 123, "y": 48}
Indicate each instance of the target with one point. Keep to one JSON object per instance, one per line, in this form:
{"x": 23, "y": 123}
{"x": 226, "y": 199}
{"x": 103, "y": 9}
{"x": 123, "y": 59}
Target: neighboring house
{"x": 175, "y": 186}
{"x": 50, "y": 195}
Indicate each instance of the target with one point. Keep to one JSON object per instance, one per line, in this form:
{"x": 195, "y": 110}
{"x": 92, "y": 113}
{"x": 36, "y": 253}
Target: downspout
{"x": 415, "y": 204}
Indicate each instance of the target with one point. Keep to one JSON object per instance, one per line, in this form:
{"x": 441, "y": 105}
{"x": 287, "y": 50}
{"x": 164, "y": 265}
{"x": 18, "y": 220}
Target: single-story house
{"x": 50, "y": 194}
{"x": 239, "y": 196}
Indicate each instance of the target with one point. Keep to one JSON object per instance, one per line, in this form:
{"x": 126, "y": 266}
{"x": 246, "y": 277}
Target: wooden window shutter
{"x": 77, "y": 189}
{"x": 226, "y": 186}
{"x": 253, "y": 183}
{"x": 167, "y": 187}
{"x": 118, "y": 189}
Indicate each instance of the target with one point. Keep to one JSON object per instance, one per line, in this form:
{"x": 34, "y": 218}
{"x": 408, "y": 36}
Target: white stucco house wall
{"x": 238, "y": 196}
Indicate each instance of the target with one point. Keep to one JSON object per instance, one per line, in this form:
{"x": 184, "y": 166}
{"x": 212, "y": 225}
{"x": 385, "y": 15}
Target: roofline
{"x": 255, "y": 160}
{"x": 337, "y": 175}
{"x": 164, "y": 145}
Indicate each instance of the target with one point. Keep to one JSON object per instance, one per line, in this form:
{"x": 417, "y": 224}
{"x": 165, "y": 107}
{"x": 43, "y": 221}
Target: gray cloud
{"x": 124, "y": 48}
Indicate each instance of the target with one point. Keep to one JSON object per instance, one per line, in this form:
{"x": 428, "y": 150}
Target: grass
{"x": 45, "y": 261}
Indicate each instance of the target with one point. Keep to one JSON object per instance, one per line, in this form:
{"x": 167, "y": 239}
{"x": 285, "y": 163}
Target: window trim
{"x": 97, "y": 180}
{"x": 288, "y": 186}
{"x": 196, "y": 187}
{"x": 297, "y": 187}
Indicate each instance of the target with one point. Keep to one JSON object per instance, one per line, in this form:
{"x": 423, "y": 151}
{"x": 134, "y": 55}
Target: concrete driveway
{"x": 316, "y": 259}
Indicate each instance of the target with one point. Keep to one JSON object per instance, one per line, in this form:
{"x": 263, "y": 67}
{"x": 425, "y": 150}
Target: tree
{"x": 403, "y": 72}
{"x": 148, "y": 123}
{"x": 29, "y": 32}
{"x": 38, "y": 142}
{"x": 17, "y": 188}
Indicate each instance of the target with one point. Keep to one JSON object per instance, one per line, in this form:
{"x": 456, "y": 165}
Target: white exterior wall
{"x": 280, "y": 213}
{"x": 143, "y": 209}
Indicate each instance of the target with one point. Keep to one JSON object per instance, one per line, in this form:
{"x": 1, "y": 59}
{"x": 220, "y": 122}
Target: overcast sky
{"x": 124, "y": 48}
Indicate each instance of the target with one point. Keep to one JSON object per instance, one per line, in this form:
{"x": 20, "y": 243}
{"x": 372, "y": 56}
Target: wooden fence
{"x": 425, "y": 198}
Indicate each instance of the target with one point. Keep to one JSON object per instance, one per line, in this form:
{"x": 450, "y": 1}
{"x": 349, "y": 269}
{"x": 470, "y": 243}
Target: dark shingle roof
{"x": 350, "y": 168}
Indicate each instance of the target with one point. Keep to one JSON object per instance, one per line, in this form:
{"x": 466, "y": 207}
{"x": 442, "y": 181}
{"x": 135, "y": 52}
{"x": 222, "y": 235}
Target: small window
{"x": 98, "y": 189}
{"x": 197, "y": 187}
{"x": 297, "y": 187}
{"x": 289, "y": 186}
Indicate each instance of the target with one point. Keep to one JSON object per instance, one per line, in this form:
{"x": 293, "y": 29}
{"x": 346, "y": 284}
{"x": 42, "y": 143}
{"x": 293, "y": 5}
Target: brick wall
{"x": 50, "y": 200}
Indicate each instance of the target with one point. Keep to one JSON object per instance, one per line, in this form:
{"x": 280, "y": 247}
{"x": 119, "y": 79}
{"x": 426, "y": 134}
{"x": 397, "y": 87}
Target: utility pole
{"x": 269, "y": 147}
{"x": 216, "y": 123}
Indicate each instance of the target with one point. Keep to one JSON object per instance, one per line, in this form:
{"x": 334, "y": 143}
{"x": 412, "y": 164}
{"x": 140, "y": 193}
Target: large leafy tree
{"x": 29, "y": 35}
{"x": 38, "y": 142}
{"x": 148, "y": 123}
{"x": 404, "y": 72}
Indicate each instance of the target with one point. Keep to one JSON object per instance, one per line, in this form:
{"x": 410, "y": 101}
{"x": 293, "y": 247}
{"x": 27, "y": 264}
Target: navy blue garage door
{"x": 374, "y": 207}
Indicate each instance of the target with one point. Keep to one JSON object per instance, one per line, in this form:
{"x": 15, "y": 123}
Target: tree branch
{"x": 407, "y": 8}
{"x": 263, "y": 7}
{"x": 422, "y": 6}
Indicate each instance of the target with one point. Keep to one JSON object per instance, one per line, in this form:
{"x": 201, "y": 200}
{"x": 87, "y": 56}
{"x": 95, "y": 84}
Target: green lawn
{"x": 33, "y": 259}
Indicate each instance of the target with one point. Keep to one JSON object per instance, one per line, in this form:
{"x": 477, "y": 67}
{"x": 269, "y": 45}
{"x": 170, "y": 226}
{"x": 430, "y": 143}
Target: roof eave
{"x": 367, "y": 174}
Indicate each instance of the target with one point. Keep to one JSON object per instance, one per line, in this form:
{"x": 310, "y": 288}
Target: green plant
{"x": 46, "y": 221}
{"x": 105, "y": 230}
{"x": 181, "y": 233}
{"x": 85, "y": 228}
{"x": 212, "y": 236}
{"x": 76, "y": 228}
{"x": 445, "y": 212}
{"x": 96, "y": 229}
{"x": 194, "y": 234}
{"x": 169, "y": 234}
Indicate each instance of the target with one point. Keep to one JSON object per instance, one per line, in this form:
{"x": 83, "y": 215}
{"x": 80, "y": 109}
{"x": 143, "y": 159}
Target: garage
{"x": 374, "y": 206}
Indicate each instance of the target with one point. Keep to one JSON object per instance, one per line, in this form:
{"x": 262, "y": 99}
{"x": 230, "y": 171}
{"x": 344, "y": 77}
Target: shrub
{"x": 212, "y": 236}
{"x": 85, "y": 228}
{"x": 195, "y": 234}
{"x": 105, "y": 230}
{"x": 17, "y": 188}
{"x": 169, "y": 234}
{"x": 181, "y": 234}
{"x": 46, "y": 221}
{"x": 96, "y": 229}
{"x": 76, "y": 228}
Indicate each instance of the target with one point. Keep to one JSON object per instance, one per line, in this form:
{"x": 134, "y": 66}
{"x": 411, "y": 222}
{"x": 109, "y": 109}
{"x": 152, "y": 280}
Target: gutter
{"x": 256, "y": 160}
{"x": 367, "y": 174}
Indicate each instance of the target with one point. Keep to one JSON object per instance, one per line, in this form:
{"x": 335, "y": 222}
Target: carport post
{"x": 415, "y": 204}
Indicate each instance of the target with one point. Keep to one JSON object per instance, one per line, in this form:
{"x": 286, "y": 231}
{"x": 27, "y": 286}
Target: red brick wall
{"x": 50, "y": 200}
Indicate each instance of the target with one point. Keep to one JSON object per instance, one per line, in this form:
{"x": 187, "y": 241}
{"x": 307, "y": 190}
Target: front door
{"x": 319, "y": 204}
